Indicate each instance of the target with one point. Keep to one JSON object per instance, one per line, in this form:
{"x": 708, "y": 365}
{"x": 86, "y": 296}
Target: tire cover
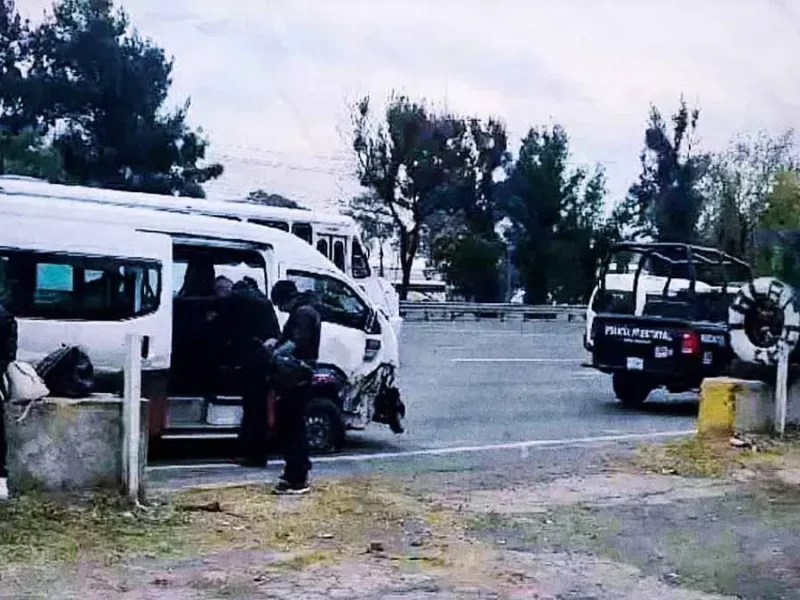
{"x": 783, "y": 295}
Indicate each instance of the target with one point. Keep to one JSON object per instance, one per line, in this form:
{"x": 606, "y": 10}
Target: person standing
{"x": 253, "y": 322}
{"x": 300, "y": 339}
{"x": 8, "y": 354}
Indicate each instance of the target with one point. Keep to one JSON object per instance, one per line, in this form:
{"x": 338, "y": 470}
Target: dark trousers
{"x": 291, "y": 425}
{"x": 3, "y": 472}
{"x": 253, "y": 432}
{"x": 3, "y": 392}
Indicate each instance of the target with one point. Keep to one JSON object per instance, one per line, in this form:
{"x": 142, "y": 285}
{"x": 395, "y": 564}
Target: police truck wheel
{"x": 631, "y": 389}
{"x": 324, "y": 428}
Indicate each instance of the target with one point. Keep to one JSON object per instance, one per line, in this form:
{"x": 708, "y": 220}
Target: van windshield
{"x": 76, "y": 287}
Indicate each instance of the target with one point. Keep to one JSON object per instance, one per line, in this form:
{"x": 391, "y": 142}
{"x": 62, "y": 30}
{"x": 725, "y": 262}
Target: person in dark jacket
{"x": 8, "y": 354}
{"x": 252, "y": 322}
{"x": 300, "y": 338}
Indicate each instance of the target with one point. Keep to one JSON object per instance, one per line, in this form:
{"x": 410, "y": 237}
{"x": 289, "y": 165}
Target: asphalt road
{"x": 478, "y": 387}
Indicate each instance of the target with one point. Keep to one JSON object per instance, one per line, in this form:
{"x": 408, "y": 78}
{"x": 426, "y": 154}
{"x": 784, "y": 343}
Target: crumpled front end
{"x": 375, "y": 398}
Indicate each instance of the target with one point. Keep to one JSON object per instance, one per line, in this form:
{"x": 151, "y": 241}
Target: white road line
{"x": 484, "y": 333}
{"x": 455, "y": 450}
{"x": 517, "y": 360}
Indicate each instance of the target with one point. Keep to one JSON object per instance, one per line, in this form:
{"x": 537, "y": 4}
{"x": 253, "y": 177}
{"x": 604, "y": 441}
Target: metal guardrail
{"x": 454, "y": 310}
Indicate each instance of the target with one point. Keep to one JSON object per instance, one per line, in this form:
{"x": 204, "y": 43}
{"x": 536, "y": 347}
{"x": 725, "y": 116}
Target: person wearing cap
{"x": 300, "y": 339}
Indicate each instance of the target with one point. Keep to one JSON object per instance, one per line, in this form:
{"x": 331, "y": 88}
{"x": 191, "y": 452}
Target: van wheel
{"x": 631, "y": 389}
{"x": 324, "y": 428}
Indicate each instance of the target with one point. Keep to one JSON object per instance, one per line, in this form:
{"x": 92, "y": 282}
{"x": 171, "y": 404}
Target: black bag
{"x": 67, "y": 372}
{"x": 289, "y": 372}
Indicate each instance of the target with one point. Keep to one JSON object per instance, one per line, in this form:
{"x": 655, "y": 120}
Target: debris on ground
{"x": 691, "y": 519}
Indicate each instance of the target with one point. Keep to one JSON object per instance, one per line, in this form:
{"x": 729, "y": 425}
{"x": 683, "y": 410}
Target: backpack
{"x": 67, "y": 372}
{"x": 21, "y": 384}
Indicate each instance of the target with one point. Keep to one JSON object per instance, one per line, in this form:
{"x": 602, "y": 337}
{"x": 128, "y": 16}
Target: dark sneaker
{"x": 286, "y": 488}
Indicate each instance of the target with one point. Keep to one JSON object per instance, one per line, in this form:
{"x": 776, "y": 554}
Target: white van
{"x": 334, "y": 236}
{"x": 358, "y": 345}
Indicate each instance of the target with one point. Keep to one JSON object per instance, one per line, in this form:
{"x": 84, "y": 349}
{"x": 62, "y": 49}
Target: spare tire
{"x": 762, "y": 319}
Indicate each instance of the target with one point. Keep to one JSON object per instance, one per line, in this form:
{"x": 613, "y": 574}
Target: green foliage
{"x": 27, "y": 154}
{"x": 462, "y": 241}
{"x": 737, "y": 187}
{"x": 778, "y": 254}
{"x": 267, "y": 199}
{"x": 558, "y": 228}
{"x": 470, "y": 264}
{"x": 90, "y": 82}
{"x": 666, "y": 202}
{"x": 407, "y": 160}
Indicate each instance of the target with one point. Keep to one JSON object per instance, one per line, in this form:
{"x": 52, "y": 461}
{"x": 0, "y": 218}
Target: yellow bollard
{"x": 717, "y": 406}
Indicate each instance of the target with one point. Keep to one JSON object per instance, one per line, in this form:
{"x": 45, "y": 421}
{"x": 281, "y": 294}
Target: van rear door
{"x": 69, "y": 282}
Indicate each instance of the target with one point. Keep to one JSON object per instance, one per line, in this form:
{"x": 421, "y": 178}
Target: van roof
{"x": 54, "y": 206}
{"x": 29, "y": 186}
{"x": 25, "y": 232}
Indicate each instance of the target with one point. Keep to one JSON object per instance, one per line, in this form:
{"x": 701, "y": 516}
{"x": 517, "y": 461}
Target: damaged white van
{"x": 87, "y": 274}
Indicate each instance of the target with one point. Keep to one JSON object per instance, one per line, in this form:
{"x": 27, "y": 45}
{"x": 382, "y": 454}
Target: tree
{"x": 557, "y": 224}
{"x": 407, "y": 161}
{"x": 666, "y": 201}
{"x": 737, "y": 186}
{"x": 266, "y": 199}
{"x": 470, "y": 264}
{"x": 23, "y": 149}
{"x": 462, "y": 239}
{"x": 375, "y": 221}
{"x": 101, "y": 89}
{"x": 778, "y": 250}
{"x": 14, "y": 52}
{"x": 27, "y": 154}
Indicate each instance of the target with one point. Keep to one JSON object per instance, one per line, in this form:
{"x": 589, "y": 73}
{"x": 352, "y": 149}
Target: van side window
{"x": 338, "y": 255}
{"x": 282, "y": 225}
{"x": 303, "y": 231}
{"x": 339, "y": 302}
{"x": 75, "y": 287}
{"x": 360, "y": 262}
{"x": 204, "y": 264}
{"x": 322, "y": 247}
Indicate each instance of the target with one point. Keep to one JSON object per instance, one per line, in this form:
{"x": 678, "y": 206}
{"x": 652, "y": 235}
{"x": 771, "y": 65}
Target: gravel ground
{"x": 588, "y": 523}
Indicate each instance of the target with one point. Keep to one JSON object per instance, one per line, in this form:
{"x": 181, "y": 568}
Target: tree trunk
{"x": 406, "y": 261}
{"x": 406, "y": 279}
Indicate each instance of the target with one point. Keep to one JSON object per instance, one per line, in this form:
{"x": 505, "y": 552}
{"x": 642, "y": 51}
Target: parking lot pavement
{"x": 483, "y": 382}
{"x": 488, "y": 387}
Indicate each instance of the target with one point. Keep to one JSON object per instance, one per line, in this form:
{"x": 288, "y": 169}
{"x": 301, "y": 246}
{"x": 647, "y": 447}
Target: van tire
{"x": 324, "y": 427}
{"x": 631, "y": 389}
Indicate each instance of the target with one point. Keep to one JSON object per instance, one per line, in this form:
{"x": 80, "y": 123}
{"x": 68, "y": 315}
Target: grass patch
{"x": 37, "y": 529}
{"x": 303, "y": 561}
{"x": 691, "y": 457}
{"x": 714, "y": 457}
{"x": 337, "y": 519}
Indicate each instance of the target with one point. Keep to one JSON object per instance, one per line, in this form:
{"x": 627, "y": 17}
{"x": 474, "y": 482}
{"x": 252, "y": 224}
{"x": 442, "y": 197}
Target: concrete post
{"x": 781, "y": 389}
{"x": 131, "y": 416}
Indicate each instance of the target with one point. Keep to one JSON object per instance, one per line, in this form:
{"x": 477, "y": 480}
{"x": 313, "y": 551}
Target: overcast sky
{"x": 270, "y": 81}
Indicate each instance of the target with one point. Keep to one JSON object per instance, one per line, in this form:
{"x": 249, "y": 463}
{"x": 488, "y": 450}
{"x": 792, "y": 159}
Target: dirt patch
{"x": 610, "y": 489}
{"x": 618, "y": 533}
{"x": 569, "y": 575}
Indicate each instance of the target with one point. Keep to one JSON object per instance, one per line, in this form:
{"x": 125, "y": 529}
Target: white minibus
{"x": 77, "y": 277}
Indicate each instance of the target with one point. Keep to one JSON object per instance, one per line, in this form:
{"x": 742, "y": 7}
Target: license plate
{"x": 663, "y": 352}
{"x": 635, "y": 363}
